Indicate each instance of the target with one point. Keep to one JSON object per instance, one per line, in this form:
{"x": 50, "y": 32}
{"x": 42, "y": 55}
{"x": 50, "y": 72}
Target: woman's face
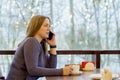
{"x": 43, "y": 32}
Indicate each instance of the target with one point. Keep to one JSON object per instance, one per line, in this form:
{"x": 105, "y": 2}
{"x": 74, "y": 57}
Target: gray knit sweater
{"x": 30, "y": 62}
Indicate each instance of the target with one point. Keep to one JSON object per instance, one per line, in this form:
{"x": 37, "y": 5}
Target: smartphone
{"x": 50, "y": 35}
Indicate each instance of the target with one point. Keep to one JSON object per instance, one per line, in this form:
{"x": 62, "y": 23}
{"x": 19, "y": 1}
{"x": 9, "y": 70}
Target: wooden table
{"x": 84, "y": 76}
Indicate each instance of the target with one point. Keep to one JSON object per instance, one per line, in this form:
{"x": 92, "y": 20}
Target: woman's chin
{"x": 46, "y": 37}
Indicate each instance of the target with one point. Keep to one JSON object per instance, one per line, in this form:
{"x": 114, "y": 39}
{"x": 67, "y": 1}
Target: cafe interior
{"x": 87, "y": 34}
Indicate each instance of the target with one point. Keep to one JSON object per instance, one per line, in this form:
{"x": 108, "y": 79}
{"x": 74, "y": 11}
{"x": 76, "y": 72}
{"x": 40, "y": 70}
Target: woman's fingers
{"x": 67, "y": 70}
{"x": 70, "y": 69}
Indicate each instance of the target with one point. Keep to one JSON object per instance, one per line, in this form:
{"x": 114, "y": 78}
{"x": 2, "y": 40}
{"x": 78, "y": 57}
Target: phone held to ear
{"x": 50, "y": 35}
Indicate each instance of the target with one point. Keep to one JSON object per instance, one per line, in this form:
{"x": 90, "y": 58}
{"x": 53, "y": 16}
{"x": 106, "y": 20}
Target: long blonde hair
{"x": 33, "y": 27}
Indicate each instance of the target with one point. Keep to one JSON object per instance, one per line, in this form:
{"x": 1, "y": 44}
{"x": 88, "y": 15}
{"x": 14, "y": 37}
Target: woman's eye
{"x": 46, "y": 25}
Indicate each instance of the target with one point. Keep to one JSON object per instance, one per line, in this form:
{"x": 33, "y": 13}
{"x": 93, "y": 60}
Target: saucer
{"x": 99, "y": 76}
{"x": 87, "y": 70}
{"x": 95, "y": 76}
{"x": 78, "y": 73}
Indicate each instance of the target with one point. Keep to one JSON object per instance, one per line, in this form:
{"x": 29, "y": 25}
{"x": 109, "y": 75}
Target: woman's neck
{"x": 38, "y": 38}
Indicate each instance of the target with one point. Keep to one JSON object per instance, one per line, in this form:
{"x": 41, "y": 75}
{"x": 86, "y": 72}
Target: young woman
{"x": 31, "y": 59}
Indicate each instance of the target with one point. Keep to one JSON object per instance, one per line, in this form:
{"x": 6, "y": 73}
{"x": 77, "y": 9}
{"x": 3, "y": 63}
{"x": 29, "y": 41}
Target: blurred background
{"x": 78, "y": 25}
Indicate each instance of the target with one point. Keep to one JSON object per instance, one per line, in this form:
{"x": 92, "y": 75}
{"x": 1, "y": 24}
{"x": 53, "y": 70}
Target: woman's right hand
{"x": 67, "y": 70}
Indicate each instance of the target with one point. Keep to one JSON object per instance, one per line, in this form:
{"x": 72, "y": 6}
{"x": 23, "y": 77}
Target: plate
{"x": 87, "y": 70}
{"x": 80, "y": 72}
{"x": 95, "y": 76}
{"x": 99, "y": 76}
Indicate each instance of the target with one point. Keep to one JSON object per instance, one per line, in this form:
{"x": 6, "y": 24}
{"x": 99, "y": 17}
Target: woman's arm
{"x": 31, "y": 55}
{"x": 52, "y": 58}
{"x": 51, "y": 61}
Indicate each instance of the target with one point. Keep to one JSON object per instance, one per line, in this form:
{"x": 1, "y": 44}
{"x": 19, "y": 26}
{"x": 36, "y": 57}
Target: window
{"x": 78, "y": 24}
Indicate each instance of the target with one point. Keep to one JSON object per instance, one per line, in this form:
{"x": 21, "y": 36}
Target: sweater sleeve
{"x": 31, "y": 54}
{"x": 51, "y": 61}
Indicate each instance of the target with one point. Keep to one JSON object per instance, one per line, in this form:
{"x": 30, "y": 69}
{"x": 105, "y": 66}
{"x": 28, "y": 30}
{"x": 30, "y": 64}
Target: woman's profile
{"x": 31, "y": 59}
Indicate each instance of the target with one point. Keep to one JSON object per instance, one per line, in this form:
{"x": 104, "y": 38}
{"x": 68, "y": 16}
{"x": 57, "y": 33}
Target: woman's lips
{"x": 48, "y": 33}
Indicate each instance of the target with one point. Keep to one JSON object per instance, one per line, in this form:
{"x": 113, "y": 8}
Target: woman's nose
{"x": 49, "y": 28}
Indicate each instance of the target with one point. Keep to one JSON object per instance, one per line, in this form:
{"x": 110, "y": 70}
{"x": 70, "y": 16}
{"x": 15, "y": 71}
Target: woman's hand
{"x": 67, "y": 70}
{"x": 52, "y": 41}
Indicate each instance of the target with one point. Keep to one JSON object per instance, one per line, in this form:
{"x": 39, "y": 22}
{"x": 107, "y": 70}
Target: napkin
{"x": 89, "y": 66}
{"x": 107, "y": 75}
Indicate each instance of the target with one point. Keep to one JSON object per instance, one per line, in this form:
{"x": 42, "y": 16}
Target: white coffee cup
{"x": 76, "y": 69}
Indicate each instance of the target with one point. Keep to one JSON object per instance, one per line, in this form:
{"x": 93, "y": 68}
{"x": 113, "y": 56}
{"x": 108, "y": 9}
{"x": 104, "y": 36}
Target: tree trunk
{"x": 96, "y": 12}
{"x": 107, "y": 31}
{"x": 117, "y": 27}
{"x": 72, "y": 32}
{"x": 51, "y": 12}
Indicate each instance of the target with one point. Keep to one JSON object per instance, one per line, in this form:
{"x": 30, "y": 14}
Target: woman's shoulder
{"x": 29, "y": 40}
